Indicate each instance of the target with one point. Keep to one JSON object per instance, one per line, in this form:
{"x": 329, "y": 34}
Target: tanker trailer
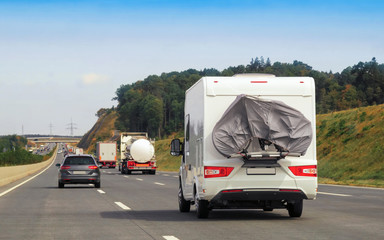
{"x": 137, "y": 153}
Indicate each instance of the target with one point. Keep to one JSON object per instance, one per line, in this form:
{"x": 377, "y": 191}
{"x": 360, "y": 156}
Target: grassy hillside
{"x": 103, "y": 130}
{"x": 165, "y": 161}
{"x": 350, "y": 146}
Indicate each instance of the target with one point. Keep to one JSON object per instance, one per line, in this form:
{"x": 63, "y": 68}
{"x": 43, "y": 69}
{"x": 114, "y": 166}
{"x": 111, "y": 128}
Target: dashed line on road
{"x": 120, "y": 204}
{"x": 161, "y": 184}
{"x": 101, "y": 191}
{"x": 335, "y": 194}
{"x": 166, "y": 175}
{"x": 170, "y": 238}
{"x": 176, "y": 176}
{"x": 126, "y": 176}
{"x": 139, "y": 179}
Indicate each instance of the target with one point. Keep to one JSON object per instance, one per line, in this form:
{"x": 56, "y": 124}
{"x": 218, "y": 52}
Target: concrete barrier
{"x": 14, "y": 173}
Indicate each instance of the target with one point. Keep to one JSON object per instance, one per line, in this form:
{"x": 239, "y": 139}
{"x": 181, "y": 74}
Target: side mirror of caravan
{"x": 176, "y": 147}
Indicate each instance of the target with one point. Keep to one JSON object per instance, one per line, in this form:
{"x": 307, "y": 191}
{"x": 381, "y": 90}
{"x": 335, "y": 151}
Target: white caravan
{"x": 250, "y": 143}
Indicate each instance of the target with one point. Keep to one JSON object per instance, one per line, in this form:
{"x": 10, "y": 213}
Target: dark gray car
{"x": 77, "y": 169}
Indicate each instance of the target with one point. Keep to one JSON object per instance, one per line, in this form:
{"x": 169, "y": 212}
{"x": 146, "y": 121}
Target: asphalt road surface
{"x": 145, "y": 207}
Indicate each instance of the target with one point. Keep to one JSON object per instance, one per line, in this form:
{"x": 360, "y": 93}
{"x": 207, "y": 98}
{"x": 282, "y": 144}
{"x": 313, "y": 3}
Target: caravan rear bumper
{"x": 256, "y": 198}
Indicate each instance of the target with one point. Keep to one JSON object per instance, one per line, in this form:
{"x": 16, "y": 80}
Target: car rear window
{"x": 79, "y": 161}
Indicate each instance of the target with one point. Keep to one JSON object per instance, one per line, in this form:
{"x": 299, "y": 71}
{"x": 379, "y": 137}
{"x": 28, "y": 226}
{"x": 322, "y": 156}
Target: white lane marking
{"x": 345, "y": 186}
{"x": 176, "y": 176}
{"x": 122, "y": 206}
{"x": 139, "y": 179}
{"x": 126, "y": 176}
{"x": 170, "y": 238}
{"x": 101, "y": 191}
{"x": 109, "y": 172}
{"x": 29, "y": 179}
{"x": 335, "y": 194}
{"x": 166, "y": 175}
{"x": 161, "y": 184}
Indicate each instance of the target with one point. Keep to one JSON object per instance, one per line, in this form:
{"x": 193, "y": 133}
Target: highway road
{"x": 145, "y": 207}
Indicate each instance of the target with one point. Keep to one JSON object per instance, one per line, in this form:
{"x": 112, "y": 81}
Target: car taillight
{"x": 304, "y": 171}
{"x": 65, "y": 167}
{"x": 92, "y": 167}
{"x": 212, "y": 172}
{"x": 131, "y": 163}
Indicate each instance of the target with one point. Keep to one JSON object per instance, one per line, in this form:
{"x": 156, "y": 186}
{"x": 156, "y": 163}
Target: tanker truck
{"x": 137, "y": 153}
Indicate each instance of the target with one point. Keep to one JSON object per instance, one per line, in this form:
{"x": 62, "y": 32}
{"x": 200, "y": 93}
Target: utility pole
{"x": 50, "y": 129}
{"x": 71, "y": 127}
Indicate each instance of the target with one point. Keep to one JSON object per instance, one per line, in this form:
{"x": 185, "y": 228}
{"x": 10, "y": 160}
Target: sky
{"x": 61, "y": 61}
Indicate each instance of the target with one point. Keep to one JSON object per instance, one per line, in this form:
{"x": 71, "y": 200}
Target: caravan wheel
{"x": 184, "y": 205}
{"x": 295, "y": 209}
{"x": 202, "y": 210}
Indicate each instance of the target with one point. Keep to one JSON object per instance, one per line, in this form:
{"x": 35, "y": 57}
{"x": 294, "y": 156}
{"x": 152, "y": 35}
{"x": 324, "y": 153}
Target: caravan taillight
{"x": 304, "y": 171}
{"x": 212, "y": 172}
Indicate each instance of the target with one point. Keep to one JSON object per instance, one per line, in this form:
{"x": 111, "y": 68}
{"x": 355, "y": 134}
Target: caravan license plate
{"x": 79, "y": 172}
{"x": 261, "y": 171}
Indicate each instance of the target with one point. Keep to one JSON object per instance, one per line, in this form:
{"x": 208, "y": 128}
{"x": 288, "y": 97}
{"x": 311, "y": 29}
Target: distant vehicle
{"x": 79, "y": 151}
{"x": 137, "y": 153}
{"x": 106, "y": 154}
{"x": 78, "y": 169}
{"x": 250, "y": 142}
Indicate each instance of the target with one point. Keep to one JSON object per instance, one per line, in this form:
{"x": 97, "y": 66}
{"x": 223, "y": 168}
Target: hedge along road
{"x": 13, "y": 173}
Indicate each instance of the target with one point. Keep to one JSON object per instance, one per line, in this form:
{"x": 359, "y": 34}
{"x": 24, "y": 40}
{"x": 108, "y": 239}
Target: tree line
{"x": 156, "y": 104}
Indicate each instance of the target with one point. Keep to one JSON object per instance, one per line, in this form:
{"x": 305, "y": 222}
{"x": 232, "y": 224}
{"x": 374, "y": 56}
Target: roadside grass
{"x": 164, "y": 160}
{"x": 350, "y": 147}
{"x": 104, "y": 130}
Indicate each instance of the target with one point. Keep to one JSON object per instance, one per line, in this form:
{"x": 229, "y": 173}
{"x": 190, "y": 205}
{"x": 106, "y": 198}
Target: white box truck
{"x": 106, "y": 154}
{"x": 250, "y": 143}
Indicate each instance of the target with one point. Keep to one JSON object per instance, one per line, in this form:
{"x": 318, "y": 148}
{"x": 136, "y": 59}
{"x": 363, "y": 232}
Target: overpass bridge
{"x": 54, "y": 139}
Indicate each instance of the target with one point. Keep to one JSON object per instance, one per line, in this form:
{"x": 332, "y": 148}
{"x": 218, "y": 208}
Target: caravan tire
{"x": 202, "y": 210}
{"x": 184, "y": 205}
{"x": 295, "y": 209}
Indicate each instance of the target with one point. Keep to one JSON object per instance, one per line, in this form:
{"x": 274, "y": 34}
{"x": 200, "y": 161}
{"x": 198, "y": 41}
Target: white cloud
{"x": 93, "y": 78}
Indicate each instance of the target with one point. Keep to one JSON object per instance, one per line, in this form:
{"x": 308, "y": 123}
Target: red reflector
{"x": 304, "y": 171}
{"x": 301, "y": 81}
{"x": 289, "y": 190}
{"x": 131, "y": 163}
{"x": 212, "y": 172}
{"x": 234, "y": 190}
{"x": 259, "y": 81}
{"x": 92, "y": 179}
{"x": 92, "y": 167}
{"x": 65, "y": 167}
{"x": 215, "y": 81}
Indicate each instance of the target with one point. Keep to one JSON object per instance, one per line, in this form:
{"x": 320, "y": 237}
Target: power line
{"x": 71, "y": 127}
{"x": 50, "y": 128}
